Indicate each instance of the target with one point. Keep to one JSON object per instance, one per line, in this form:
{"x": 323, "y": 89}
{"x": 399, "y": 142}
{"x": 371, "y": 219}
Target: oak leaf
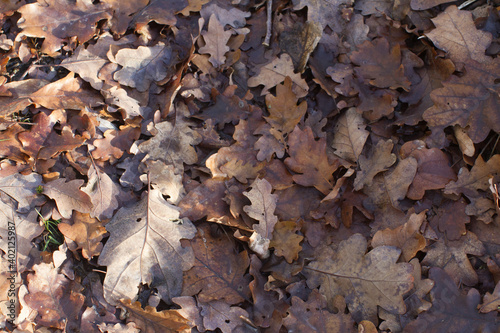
{"x": 144, "y": 247}
{"x": 172, "y": 144}
{"x": 22, "y": 189}
{"x": 425, "y": 4}
{"x": 433, "y": 170}
{"x": 20, "y": 90}
{"x": 56, "y": 298}
{"x": 68, "y": 196}
{"x": 143, "y": 65}
{"x": 66, "y": 93}
{"x": 366, "y": 280}
{"x": 275, "y": 72}
{"x": 380, "y": 65}
{"x": 86, "y": 232}
{"x": 380, "y": 159}
{"x": 219, "y": 314}
{"x": 10, "y": 146}
{"x": 262, "y": 210}
{"x": 452, "y": 257}
{"x": 451, "y": 310}
{"x": 103, "y": 193}
{"x": 308, "y": 158}
{"x": 56, "y": 20}
{"x": 56, "y": 143}
{"x": 160, "y": 11}
{"x": 115, "y": 143}
{"x": 284, "y": 113}
{"x": 451, "y": 219}
{"x": 285, "y": 241}
{"x": 406, "y": 237}
{"x": 350, "y": 135}
{"x": 457, "y": 34}
{"x": 233, "y": 16}
{"x": 164, "y": 178}
{"x": 326, "y": 13}
{"x": 491, "y": 301}
{"x": 215, "y": 42}
{"x": 149, "y": 320}
{"x": 218, "y": 272}
{"x": 313, "y": 315}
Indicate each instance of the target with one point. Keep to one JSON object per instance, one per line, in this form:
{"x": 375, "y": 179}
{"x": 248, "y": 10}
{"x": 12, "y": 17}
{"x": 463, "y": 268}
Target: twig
{"x": 269, "y": 22}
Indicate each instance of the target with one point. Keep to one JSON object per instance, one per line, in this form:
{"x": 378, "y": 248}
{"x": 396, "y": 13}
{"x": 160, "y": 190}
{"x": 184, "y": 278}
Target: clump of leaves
{"x": 52, "y": 237}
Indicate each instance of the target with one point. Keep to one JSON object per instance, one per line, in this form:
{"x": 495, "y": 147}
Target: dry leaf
{"x": 68, "y": 196}
{"x": 215, "y": 42}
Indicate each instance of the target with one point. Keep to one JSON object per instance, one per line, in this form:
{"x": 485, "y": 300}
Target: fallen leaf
{"x": 86, "y": 232}
{"x": 160, "y": 11}
{"x": 144, "y": 246}
{"x": 150, "y": 321}
{"x": 233, "y": 16}
{"x": 164, "y": 178}
{"x": 451, "y": 219}
{"x": 452, "y": 257}
{"x": 57, "y": 20}
{"x": 433, "y": 170}
{"x": 215, "y": 42}
{"x": 406, "y": 237}
{"x": 491, "y": 301}
{"x": 365, "y": 280}
{"x": 425, "y": 4}
{"x": 326, "y": 13}
{"x": 308, "y": 158}
{"x": 143, "y": 65}
{"x": 457, "y": 34}
{"x": 275, "y": 72}
{"x": 314, "y": 316}
{"x": 380, "y": 159}
{"x": 218, "y": 272}
{"x": 262, "y": 210}
{"x": 380, "y": 65}
{"x": 22, "y": 189}
{"x": 56, "y": 298}
{"x": 68, "y": 196}
{"x": 218, "y": 314}
{"x": 285, "y": 241}
{"x": 350, "y": 136}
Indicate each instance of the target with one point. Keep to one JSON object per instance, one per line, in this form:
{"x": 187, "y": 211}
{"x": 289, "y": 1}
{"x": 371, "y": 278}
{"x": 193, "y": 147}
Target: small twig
{"x": 466, "y": 3}
{"x": 267, "y": 40}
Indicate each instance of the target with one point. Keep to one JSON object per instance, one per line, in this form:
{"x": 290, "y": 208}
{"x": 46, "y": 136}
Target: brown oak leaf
{"x": 86, "y": 232}
{"x": 285, "y": 241}
{"x": 313, "y": 315}
{"x": 275, "y": 72}
{"x": 145, "y": 246}
{"x": 433, "y": 170}
{"x": 68, "y": 196}
{"x": 219, "y": 314}
{"x": 452, "y": 257}
{"x": 308, "y": 158}
{"x": 491, "y": 301}
{"x": 215, "y": 42}
{"x": 457, "y": 34}
{"x": 380, "y": 159}
{"x": 350, "y": 135}
{"x": 451, "y": 219}
{"x": 218, "y": 272}
{"x": 143, "y": 65}
{"x": 406, "y": 237}
{"x": 149, "y": 320}
{"x": 366, "y": 280}
{"x": 56, "y": 298}
{"x": 56, "y": 20}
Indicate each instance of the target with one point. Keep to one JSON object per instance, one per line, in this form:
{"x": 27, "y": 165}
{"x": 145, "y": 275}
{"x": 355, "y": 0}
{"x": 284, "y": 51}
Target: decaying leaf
{"x": 350, "y": 135}
{"x": 380, "y": 160}
{"x": 285, "y": 241}
{"x": 308, "y": 159}
{"x": 144, "y": 247}
{"x": 366, "y": 280}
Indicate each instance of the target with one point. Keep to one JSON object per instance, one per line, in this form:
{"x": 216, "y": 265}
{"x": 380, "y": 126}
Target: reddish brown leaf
{"x": 86, "y": 232}
{"x": 433, "y": 170}
{"x": 380, "y": 65}
{"x": 56, "y": 20}
{"x": 451, "y": 219}
{"x": 308, "y": 158}
{"x": 406, "y": 237}
{"x": 56, "y": 298}
{"x": 380, "y": 159}
{"x": 218, "y": 272}
{"x": 285, "y": 241}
